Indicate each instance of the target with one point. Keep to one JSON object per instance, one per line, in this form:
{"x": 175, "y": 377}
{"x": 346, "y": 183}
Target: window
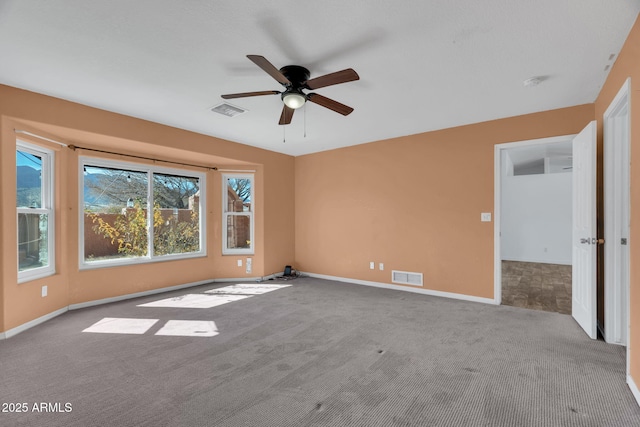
{"x": 237, "y": 214}
{"x": 34, "y": 202}
{"x": 176, "y": 222}
{"x": 116, "y": 227}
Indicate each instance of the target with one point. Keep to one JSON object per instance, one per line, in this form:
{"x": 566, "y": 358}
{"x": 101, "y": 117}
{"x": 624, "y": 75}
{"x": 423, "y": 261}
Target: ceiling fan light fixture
{"x": 294, "y": 100}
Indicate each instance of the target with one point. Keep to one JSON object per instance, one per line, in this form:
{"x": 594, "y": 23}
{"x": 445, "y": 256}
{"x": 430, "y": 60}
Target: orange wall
{"x": 628, "y": 65}
{"x": 90, "y": 127}
{"x": 412, "y": 203}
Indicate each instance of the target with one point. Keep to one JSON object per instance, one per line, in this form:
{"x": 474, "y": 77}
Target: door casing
{"x": 497, "y": 218}
{"x": 617, "y": 128}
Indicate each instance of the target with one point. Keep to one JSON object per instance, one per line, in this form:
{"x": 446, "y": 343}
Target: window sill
{"x": 234, "y": 253}
{"x": 31, "y": 276}
{"x": 138, "y": 261}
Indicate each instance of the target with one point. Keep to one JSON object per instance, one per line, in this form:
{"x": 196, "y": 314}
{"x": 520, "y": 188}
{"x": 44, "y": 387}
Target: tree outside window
{"x": 117, "y": 226}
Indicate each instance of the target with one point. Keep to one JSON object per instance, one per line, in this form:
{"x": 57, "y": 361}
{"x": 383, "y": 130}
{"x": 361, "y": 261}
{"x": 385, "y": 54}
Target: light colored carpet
{"x": 320, "y": 353}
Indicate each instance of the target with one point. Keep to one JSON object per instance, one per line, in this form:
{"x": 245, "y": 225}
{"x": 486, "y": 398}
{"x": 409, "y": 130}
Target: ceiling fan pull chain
{"x": 305, "y": 120}
{"x": 284, "y": 135}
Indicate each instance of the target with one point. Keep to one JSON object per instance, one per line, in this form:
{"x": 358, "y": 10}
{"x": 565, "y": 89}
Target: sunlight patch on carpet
{"x": 195, "y": 301}
{"x": 189, "y": 328}
{"x": 111, "y": 325}
{"x": 246, "y": 289}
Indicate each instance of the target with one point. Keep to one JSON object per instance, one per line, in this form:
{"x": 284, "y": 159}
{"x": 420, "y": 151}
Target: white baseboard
{"x": 32, "y": 323}
{"x": 138, "y": 294}
{"x": 270, "y": 276}
{"x": 238, "y": 279}
{"x": 246, "y": 279}
{"x": 405, "y": 288}
{"x": 634, "y": 388}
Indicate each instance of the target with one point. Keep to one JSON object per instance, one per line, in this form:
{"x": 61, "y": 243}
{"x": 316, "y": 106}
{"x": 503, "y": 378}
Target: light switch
{"x": 381, "y": 266}
{"x": 485, "y": 217}
{"x": 372, "y": 265}
{"x": 248, "y": 270}
{"x": 44, "y": 291}
{"x": 239, "y": 263}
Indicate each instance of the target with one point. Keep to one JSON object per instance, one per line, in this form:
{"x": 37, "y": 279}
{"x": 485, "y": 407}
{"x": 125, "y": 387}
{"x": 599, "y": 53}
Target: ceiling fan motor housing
{"x": 296, "y": 74}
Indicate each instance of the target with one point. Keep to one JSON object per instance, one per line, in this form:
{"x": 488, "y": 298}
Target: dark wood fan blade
{"x": 338, "y": 77}
{"x": 268, "y": 67}
{"x": 246, "y": 94}
{"x": 286, "y": 116}
{"x": 330, "y": 104}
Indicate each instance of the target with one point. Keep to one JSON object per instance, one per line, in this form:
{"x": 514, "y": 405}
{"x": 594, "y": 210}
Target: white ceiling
{"x": 423, "y": 65}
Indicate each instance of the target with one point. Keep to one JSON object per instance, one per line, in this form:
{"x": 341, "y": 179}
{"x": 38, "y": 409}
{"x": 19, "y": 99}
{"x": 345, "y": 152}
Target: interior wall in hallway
{"x": 537, "y": 218}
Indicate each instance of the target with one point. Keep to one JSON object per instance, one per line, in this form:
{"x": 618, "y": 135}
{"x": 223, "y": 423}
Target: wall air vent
{"x": 406, "y": 278}
{"x": 227, "y": 110}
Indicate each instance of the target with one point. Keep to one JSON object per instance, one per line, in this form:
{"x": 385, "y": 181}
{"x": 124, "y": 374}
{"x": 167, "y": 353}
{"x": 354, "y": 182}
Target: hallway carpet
{"x": 537, "y": 286}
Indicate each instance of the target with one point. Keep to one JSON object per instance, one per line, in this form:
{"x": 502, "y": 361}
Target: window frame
{"x": 225, "y": 214}
{"x": 47, "y": 176}
{"x": 150, "y": 170}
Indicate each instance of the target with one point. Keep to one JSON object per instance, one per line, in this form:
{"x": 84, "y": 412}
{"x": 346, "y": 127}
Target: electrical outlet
{"x": 248, "y": 270}
{"x": 44, "y": 291}
{"x": 381, "y": 266}
{"x": 239, "y": 263}
{"x": 372, "y": 265}
{"x": 485, "y": 217}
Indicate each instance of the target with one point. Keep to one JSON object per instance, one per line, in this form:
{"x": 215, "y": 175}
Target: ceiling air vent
{"x": 227, "y": 110}
{"x": 406, "y": 278}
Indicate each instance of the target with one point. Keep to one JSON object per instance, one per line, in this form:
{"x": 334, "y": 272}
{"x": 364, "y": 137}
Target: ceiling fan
{"x": 295, "y": 78}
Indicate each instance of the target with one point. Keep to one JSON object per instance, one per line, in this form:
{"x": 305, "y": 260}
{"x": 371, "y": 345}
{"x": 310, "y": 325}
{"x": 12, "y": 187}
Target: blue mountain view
{"x": 28, "y": 177}
{"x": 29, "y": 192}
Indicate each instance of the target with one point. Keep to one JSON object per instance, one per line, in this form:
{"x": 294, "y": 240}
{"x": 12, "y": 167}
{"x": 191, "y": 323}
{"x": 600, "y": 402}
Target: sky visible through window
{"x": 27, "y": 159}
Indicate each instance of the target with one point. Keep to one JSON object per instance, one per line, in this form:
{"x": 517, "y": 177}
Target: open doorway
{"x": 536, "y": 224}
{"x": 584, "y": 241}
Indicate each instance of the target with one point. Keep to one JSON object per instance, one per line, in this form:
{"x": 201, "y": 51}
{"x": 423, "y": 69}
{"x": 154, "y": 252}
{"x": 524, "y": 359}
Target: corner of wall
{"x": 2, "y": 207}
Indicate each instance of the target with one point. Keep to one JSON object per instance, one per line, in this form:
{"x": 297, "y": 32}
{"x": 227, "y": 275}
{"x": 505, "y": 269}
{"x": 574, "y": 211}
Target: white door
{"x": 583, "y": 290}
